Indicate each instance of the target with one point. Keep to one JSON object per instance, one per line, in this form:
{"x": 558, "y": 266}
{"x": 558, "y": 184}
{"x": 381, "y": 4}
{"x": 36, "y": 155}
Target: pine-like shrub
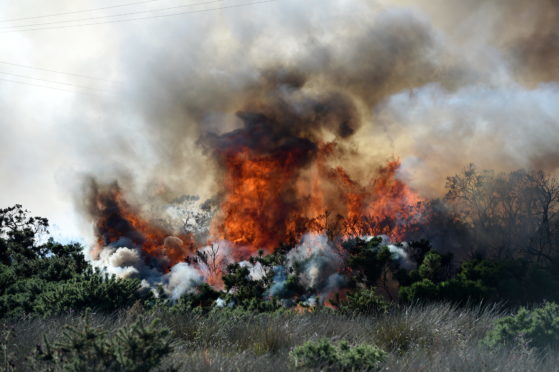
{"x": 326, "y": 355}
{"x": 538, "y": 328}
{"x": 364, "y": 301}
{"x": 138, "y": 347}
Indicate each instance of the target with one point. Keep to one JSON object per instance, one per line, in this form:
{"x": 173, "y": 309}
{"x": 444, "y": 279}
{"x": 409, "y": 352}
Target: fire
{"x": 257, "y": 206}
{"x": 268, "y": 202}
{"x": 385, "y": 206}
{"x": 119, "y": 224}
{"x": 279, "y": 181}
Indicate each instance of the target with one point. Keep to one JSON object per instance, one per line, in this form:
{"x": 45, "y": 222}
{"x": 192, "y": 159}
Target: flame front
{"x": 268, "y": 202}
{"x": 119, "y": 224}
{"x": 279, "y": 178}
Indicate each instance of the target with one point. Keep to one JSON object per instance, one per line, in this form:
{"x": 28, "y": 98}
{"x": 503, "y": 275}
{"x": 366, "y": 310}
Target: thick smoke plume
{"x": 333, "y": 120}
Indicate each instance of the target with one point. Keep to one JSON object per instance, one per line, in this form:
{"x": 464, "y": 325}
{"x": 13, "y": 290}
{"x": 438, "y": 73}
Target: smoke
{"x": 130, "y": 263}
{"x": 182, "y": 279}
{"x": 317, "y": 263}
{"x": 387, "y": 78}
{"x": 519, "y": 37}
{"x": 255, "y": 271}
{"x": 502, "y": 128}
{"x": 437, "y": 83}
{"x": 123, "y": 262}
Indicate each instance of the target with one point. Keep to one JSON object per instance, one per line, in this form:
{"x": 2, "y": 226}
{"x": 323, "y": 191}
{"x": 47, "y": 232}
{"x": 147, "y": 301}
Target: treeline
{"x": 495, "y": 239}
{"x": 45, "y": 278}
{"x": 497, "y": 216}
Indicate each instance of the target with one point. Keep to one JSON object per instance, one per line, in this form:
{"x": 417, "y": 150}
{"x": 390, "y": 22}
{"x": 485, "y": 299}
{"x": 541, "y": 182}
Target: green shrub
{"x": 135, "y": 348}
{"x": 431, "y": 266}
{"x": 367, "y": 259}
{"x": 539, "y": 328}
{"x": 340, "y": 357}
{"x": 93, "y": 291}
{"x": 424, "y": 290}
{"x": 364, "y": 301}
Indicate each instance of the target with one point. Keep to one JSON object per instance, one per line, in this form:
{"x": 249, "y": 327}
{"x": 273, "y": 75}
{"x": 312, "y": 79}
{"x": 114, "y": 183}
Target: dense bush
{"x": 539, "y": 328}
{"x": 91, "y": 291}
{"x": 364, "y": 301}
{"x": 44, "y": 278}
{"x": 135, "y": 348}
{"x": 366, "y": 260}
{"x": 514, "y": 282}
{"x": 337, "y": 357}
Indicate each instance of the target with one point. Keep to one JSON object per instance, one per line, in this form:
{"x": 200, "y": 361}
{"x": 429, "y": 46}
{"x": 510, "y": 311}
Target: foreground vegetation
{"x": 436, "y": 337}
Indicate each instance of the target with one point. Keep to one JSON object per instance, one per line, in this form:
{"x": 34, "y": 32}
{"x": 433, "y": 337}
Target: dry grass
{"x": 418, "y": 338}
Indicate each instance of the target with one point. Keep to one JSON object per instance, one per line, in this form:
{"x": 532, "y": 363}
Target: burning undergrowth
{"x": 179, "y": 258}
{"x": 283, "y": 184}
{"x": 294, "y": 147}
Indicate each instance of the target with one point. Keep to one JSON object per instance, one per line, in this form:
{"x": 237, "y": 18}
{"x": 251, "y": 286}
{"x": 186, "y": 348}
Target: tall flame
{"x": 268, "y": 202}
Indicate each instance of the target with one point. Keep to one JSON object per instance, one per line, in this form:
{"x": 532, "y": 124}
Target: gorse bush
{"x": 92, "y": 291}
{"x": 47, "y": 278}
{"x": 538, "y": 328}
{"x": 364, "y": 301}
{"x": 138, "y": 347}
{"x": 342, "y": 356}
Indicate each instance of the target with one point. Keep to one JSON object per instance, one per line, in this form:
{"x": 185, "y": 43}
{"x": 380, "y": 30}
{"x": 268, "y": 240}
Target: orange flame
{"x": 116, "y": 219}
{"x": 268, "y": 202}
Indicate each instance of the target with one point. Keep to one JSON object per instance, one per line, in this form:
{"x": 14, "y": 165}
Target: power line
{"x": 45, "y": 86}
{"x": 55, "y": 71}
{"x": 111, "y": 16}
{"x": 144, "y": 18}
{"x": 80, "y": 11}
{"x": 47, "y": 81}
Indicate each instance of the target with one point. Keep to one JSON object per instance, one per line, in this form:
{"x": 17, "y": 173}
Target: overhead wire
{"x": 142, "y": 18}
{"x": 46, "y": 86}
{"x": 45, "y": 80}
{"x": 80, "y": 11}
{"x": 84, "y": 89}
{"x": 110, "y": 15}
{"x": 56, "y": 72}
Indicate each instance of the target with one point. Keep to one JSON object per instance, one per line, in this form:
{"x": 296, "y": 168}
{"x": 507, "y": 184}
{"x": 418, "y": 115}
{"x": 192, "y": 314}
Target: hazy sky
{"x": 492, "y": 107}
{"x": 49, "y": 137}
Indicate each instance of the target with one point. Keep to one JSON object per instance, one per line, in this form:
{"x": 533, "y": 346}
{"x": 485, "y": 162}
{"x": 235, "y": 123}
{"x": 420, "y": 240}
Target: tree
{"x": 546, "y": 202}
{"x": 46, "y": 277}
{"x": 19, "y": 235}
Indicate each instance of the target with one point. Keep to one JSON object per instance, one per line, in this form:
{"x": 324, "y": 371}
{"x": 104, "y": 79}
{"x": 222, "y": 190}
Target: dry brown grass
{"x": 418, "y": 338}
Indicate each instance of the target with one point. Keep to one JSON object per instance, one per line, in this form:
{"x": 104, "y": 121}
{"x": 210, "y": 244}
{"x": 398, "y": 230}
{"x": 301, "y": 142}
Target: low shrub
{"x": 538, "y": 328}
{"x": 365, "y": 302}
{"x": 90, "y": 291}
{"x": 134, "y": 348}
{"x": 326, "y": 355}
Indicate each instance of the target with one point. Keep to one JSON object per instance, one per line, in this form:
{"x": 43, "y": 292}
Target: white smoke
{"x": 214, "y": 258}
{"x": 400, "y": 255}
{"x": 503, "y": 127}
{"x": 398, "y": 251}
{"x": 128, "y": 263}
{"x": 318, "y": 262}
{"x": 256, "y": 271}
{"x": 182, "y": 279}
{"x": 123, "y": 262}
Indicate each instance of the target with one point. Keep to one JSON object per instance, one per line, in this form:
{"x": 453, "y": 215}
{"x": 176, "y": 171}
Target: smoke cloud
{"x": 438, "y": 83}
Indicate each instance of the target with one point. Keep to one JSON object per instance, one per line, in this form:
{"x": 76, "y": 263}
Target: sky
{"x": 109, "y": 99}
{"x": 50, "y": 136}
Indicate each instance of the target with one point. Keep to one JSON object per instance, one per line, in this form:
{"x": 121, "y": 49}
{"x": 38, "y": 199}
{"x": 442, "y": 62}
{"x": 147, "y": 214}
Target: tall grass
{"x": 417, "y": 338}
